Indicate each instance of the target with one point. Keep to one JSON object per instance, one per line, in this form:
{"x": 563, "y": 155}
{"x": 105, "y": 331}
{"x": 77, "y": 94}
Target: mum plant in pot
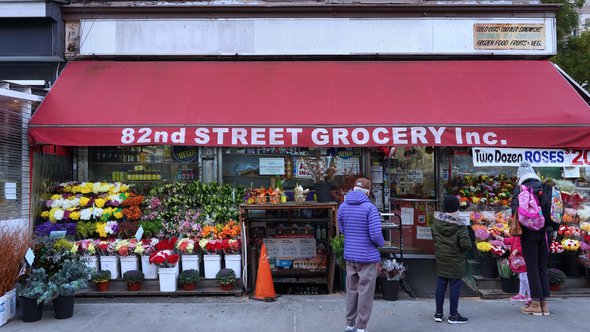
{"x": 556, "y": 278}
{"x": 188, "y": 279}
{"x": 101, "y": 280}
{"x": 32, "y": 292}
{"x": 71, "y": 278}
{"x": 133, "y": 278}
{"x": 226, "y": 278}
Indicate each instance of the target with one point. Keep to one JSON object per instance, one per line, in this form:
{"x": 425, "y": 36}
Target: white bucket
{"x": 11, "y": 304}
{"x": 110, "y": 263}
{"x": 150, "y": 271}
{"x": 128, "y": 263}
{"x": 190, "y": 262}
{"x": 167, "y": 279}
{"x": 234, "y": 262}
{"x": 212, "y": 265}
{"x": 90, "y": 261}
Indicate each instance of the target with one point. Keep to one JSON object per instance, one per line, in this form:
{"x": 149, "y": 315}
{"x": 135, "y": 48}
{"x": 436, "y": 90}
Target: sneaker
{"x": 438, "y": 318}
{"x": 458, "y": 319}
{"x": 350, "y": 329}
{"x": 518, "y": 297}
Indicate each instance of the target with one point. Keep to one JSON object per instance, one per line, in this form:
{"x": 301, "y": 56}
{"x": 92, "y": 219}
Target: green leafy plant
{"x": 35, "y": 286}
{"x": 86, "y": 229}
{"x": 504, "y": 269}
{"x": 151, "y": 228}
{"x": 133, "y": 276}
{"x": 188, "y": 276}
{"x": 101, "y": 276}
{"x": 72, "y": 277}
{"x": 556, "y": 276}
{"x": 226, "y": 276}
{"x": 337, "y": 244}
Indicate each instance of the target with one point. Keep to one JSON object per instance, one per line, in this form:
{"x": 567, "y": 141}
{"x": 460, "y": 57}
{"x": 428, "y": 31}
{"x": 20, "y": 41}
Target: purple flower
{"x": 44, "y": 229}
{"x": 48, "y": 203}
{"x": 497, "y": 243}
{"x": 482, "y": 234}
{"x": 584, "y": 246}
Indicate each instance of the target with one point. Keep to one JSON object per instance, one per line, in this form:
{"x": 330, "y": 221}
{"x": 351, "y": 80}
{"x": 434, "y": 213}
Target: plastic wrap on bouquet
{"x": 212, "y": 265}
{"x": 234, "y": 262}
{"x": 110, "y": 263}
{"x": 150, "y": 271}
{"x": 190, "y": 262}
{"x": 91, "y": 261}
{"x": 167, "y": 277}
{"x": 129, "y": 263}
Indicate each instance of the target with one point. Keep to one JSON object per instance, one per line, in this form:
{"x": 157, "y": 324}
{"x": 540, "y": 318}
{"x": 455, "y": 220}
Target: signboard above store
{"x": 537, "y": 157}
{"x": 509, "y": 36}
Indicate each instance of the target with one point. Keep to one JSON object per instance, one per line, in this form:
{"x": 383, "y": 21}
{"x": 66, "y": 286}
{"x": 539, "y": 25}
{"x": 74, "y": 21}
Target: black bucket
{"x": 390, "y": 289}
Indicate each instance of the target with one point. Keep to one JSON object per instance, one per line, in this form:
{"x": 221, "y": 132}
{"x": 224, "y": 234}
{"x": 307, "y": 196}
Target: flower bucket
{"x": 554, "y": 287}
{"x": 30, "y": 310}
{"x": 488, "y": 267}
{"x": 167, "y": 279}
{"x": 150, "y": 271}
{"x": 64, "y": 306}
{"x": 90, "y": 261}
{"x": 190, "y": 262}
{"x": 212, "y": 265}
{"x": 510, "y": 285}
{"x": 4, "y": 309}
{"x": 571, "y": 267}
{"x": 11, "y": 304}
{"x": 110, "y": 263}
{"x": 390, "y": 289}
{"x": 128, "y": 263}
{"x": 234, "y": 262}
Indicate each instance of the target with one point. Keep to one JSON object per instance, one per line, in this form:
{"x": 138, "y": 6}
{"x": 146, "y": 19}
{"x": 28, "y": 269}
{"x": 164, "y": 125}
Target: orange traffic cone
{"x": 265, "y": 289}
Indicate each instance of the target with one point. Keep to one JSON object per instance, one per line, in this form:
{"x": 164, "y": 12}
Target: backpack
{"x": 529, "y": 210}
{"x": 556, "y": 205}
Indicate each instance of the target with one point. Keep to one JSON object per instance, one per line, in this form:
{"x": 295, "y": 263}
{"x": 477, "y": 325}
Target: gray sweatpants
{"x": 360, "y": 291}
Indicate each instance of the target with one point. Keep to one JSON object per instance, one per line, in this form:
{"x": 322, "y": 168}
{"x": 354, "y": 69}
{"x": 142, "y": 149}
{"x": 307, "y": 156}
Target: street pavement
{"x": 298, "y": 313}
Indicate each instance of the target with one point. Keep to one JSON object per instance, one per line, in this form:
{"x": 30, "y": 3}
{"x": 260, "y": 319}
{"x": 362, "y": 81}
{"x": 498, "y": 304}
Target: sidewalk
{"x": 298, "y": 313}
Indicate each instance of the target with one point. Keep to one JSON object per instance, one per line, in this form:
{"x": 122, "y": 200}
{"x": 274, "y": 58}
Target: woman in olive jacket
{"x": 451, "y": 242}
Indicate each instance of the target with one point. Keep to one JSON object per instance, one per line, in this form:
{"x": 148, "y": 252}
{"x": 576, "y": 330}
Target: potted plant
{"x": 166, "y": 261}
{"x": 101, "y": 280}
{"x": 556, "y": 279}
{"x": 72, "y": 277}
{"x": 226, "y": 278}
{"x": 510, "y": 283}
{"x": 188, "y": 279}
{"x": 133, "y": 278}
{"x": 32, "y": 292}
{"x": 337, "y": 244}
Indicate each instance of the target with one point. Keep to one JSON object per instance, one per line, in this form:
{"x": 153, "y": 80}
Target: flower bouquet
{"x": 392, "y": 269}
{"x": 186, "y": 246}
{"x": 164, "y": 258}
{"x": 275, "y": 195}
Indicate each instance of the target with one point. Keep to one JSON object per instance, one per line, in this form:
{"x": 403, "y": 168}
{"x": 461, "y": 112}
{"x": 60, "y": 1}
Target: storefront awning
{"x": 520, "y": 103}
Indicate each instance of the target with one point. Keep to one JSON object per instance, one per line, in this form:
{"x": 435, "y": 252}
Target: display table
{"x": 261, "y": 222}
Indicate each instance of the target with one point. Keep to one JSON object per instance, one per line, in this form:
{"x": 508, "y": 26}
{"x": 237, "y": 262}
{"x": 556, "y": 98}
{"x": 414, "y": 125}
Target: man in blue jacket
{"x": 359, "y": 221}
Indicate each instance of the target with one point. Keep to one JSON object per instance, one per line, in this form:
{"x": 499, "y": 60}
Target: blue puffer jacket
{"x": 359, "y": 221}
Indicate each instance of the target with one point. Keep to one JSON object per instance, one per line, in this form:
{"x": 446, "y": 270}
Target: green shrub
{"x": 188, "y": 276}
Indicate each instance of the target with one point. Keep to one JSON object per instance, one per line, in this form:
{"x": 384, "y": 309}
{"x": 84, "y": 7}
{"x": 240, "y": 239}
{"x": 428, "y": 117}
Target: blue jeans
{"x": 455, "y": 291}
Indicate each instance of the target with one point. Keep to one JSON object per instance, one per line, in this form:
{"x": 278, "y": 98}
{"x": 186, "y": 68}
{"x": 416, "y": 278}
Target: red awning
{"x": 518, "y": 103}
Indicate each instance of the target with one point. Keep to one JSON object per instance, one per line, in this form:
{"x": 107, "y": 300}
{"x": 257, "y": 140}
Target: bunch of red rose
{"x": 164, "y": 258}
{"x": 214, "y": 247}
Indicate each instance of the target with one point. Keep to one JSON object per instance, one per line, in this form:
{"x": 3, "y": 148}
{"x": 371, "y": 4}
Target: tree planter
{"x": 150, "y": 271}
{"x": 510, "y": 285}
{"x": 133, "y": 286}
{"x": 90, "y": 261}
{"x": 571, "y": 267}
{"x": 167, "y": 277}
{"x": 226, "y": 287}
{"x": 554, "y": 287}
{"x": 488, "y": 267}
{"x": 128, "y": 263}
{"x": 190, "y": 262}
{"x": 390, "y": 289}
{"x": 234, "y": 262}
{"x": 110, "y": 263}
{"x": 189, "y": 286}
{"x": 212, "y": 265}
{"x": 30, "y": 310}
{"x": 322, "y": 192}
{"x": 102, "y": 286}
{"x": 63, "y": 306}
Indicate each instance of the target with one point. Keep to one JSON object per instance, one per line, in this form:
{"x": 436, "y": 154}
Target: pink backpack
{"x": 529, "y": 210}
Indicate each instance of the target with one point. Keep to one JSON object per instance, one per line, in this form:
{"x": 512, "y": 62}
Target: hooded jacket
{"x": 451, "y": 242}
{"x": 537, "y": 186}
{"x": 359, "y": 221}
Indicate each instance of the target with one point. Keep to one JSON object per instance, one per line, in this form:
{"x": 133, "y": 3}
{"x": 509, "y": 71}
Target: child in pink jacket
{"x": 517, "y": 265}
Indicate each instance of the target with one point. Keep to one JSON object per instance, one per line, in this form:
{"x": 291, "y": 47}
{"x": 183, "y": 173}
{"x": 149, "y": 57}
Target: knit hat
{"x": 526, "y": 171}
{"x": 450, "y": 204}
{"x": 363, "y": 183}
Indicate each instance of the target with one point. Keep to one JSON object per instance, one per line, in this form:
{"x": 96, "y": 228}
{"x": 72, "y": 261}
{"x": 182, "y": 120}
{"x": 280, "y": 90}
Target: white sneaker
{"x": 350, "y": 329}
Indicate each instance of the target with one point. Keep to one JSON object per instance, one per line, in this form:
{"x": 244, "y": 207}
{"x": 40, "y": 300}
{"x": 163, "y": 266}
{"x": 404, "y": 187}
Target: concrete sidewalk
{"x": 298, "y": 313}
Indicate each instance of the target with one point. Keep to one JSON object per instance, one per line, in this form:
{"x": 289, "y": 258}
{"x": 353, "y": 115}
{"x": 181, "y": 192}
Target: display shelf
{"x": 297, "y": 275}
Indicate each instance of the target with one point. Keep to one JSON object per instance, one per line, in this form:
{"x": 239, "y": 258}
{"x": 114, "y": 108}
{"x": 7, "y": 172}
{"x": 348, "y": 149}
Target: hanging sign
{"x": 536, "y": 157}
{"x": 271, "y": 166}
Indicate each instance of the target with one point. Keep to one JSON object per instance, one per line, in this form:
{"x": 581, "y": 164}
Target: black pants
{"x": 535, "y": 252}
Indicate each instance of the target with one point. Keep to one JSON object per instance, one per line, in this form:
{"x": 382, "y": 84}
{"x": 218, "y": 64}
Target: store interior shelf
{"x": 389, "y": 225}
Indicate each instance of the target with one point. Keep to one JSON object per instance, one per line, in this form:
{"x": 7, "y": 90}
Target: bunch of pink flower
{"x": 555, "y": 248}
